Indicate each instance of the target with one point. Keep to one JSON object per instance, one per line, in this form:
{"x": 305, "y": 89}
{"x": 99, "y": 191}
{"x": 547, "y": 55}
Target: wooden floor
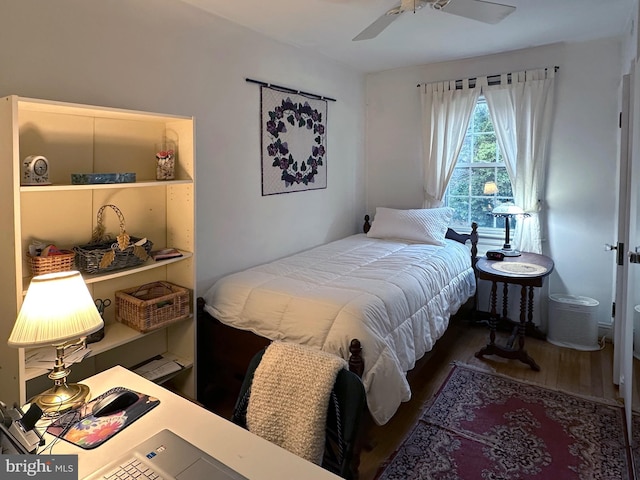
{"x": 584, "y": 373}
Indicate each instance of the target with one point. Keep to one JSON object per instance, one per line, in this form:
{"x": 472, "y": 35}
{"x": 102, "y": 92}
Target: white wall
{"x": 581, "y": 181}
{"x": 168, "y": 57}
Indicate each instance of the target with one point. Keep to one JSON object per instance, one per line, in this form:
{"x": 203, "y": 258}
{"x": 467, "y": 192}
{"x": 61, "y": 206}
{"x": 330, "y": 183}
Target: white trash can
{"x": 573, "y": 322}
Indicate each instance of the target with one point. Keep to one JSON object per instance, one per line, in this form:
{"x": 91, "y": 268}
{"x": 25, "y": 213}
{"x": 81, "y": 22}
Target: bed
{"x": 380, "y": 299}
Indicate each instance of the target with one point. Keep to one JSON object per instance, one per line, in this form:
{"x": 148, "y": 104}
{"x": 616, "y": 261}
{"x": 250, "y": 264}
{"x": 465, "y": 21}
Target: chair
{"x": 346, "y": 406}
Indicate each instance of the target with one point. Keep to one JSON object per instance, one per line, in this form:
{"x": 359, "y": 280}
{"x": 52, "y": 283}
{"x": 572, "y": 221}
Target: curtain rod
{"x": 291, "y": 90}
{"x": 491, "y": 79}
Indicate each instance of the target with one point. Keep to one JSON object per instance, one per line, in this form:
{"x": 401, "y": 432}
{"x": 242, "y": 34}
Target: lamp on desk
{"x": 507, "y": 211}
{"x": 58, "y": 310}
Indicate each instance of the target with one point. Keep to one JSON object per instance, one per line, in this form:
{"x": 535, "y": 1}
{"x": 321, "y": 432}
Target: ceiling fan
{"x": 480, "y": 10}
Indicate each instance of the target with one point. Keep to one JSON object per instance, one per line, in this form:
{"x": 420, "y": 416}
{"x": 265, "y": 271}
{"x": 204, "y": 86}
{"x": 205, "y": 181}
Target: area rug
{"x": 482, "y": 425}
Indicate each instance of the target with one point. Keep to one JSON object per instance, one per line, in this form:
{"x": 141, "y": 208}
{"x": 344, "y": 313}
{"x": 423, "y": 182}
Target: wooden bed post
{"x": 356, "y": 362}
{"x": 474, "y": 244}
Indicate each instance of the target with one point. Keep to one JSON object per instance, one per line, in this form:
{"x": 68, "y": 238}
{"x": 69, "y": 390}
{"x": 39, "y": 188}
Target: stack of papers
{"x": 157, "y": 369}
{"x": 45, "y": 357}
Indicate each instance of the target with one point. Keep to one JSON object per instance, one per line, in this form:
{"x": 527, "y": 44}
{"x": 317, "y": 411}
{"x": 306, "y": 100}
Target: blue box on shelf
{"x": 98, "y": 178}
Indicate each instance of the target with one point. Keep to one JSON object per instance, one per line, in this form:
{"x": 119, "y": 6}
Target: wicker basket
{"x": 104, "y": 254}
{"x": 151, "y": 306}
{"x": 52, "y": 263}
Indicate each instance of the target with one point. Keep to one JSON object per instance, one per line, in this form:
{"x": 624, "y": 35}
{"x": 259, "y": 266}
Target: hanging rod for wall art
{"x": 491, "y": 79}
{"x": 290, "y": 90}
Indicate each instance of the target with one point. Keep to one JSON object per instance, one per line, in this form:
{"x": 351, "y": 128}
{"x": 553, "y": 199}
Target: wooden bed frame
{"x": 224, "y": 352}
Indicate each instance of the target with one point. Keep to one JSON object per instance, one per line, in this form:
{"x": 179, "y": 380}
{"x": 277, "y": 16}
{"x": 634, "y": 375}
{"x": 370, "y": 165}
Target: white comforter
{"x": 394, "y": 296}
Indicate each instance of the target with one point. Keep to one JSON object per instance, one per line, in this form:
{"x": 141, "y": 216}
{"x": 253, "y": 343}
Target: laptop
{"x": 170, "y": 457}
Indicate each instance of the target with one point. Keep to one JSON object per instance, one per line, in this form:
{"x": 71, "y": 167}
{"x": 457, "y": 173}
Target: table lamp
{"x": 490, "y": 188}
{"x": 507, "y": 211}
{"x": 57, "y": 310}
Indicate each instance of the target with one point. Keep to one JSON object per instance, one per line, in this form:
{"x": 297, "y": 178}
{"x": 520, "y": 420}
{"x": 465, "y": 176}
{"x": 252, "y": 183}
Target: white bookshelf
{"x": 91, "y": 139}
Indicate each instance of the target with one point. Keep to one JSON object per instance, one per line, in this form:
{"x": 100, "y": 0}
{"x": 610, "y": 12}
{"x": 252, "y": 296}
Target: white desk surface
{"x": 248, "y": 454}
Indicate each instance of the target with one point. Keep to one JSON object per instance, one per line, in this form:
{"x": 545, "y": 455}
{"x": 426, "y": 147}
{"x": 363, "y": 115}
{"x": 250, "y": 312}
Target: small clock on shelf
{"x": 35, "y": 171}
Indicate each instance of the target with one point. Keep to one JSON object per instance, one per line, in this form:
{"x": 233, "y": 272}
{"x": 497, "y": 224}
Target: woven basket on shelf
{"x": 52, "y": 263}
{"x": 104, "y": 254}
{"x": 151, "y": 306}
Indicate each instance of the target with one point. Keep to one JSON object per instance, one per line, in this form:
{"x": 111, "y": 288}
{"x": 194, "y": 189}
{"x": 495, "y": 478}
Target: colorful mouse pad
{"x": 80, "y": 427}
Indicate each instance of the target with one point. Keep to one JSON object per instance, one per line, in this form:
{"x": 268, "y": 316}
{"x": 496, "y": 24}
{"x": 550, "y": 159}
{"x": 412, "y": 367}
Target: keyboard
{"x": 132, "y": 469}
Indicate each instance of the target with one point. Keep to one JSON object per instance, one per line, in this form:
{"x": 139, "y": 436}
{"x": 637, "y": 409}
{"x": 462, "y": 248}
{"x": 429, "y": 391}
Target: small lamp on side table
{"x": 490, "y": 188}
{"x": 507, "y": 211}
{"x": 58, "y": 310}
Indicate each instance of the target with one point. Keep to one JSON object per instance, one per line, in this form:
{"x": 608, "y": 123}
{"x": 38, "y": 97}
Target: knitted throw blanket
{"x": 289, "y": 397}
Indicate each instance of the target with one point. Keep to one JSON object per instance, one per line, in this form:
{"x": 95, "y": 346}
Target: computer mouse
{"x": 114, "y": 402}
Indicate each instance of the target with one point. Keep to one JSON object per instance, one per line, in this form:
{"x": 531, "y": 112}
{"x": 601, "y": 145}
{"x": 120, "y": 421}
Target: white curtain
{"x": 521, "y": 112}
{"x": 445, "y": 118}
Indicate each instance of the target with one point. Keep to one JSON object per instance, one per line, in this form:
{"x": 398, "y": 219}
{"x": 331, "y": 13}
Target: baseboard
{"x": 605, "y": 330}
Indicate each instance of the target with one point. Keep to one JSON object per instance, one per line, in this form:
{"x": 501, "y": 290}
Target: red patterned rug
{"x": 485, "y": 426}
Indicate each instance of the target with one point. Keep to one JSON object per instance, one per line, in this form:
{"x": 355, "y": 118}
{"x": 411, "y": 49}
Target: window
{"x": 480, "y": 161}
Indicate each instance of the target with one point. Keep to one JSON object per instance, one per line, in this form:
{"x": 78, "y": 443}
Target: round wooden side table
{"x": 527, "y": 270}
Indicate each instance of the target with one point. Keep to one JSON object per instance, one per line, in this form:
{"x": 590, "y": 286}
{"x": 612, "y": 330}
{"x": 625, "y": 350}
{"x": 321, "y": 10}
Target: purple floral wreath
{"x": 300, "y": 115}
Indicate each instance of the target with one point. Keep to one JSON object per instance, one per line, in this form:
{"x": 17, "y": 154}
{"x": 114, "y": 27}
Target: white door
{"x": 632, "y": 258}
{"x": 628, "y": 262}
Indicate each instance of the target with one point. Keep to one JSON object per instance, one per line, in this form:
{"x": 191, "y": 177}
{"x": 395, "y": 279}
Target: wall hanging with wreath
{"x": 294, "y": 150}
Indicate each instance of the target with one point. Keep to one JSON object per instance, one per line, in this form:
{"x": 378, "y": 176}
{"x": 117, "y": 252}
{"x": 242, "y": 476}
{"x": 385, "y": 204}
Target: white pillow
{"x": 424, "y": 225}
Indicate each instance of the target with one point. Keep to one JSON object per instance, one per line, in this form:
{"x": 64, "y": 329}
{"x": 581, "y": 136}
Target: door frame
{"x": 627, "y": 212}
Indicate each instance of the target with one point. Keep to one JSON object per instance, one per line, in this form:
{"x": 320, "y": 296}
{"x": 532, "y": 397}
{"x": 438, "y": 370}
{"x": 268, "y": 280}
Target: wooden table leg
{"x": 509, "y": 352}
{"x": 491, "y": 348}
{"x": 522, "y": 328}
{"x": 505, "y": 300}
{"x": 493, "y": 318}
{"x": 532, "y": 329}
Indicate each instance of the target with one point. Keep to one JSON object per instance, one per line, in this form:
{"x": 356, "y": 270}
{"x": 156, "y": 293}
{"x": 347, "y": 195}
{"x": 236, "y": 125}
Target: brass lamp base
{"x": 62, "y": 398}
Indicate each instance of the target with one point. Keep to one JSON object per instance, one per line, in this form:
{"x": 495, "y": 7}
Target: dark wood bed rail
{"x": 245, "y": 344}
{"x": 467, "y": 237}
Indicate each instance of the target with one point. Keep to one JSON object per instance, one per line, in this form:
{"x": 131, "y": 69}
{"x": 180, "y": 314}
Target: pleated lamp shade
{"x": 490, "y": 188}
{"x": 57, "y": 308}
{"x": 508, "y": 209}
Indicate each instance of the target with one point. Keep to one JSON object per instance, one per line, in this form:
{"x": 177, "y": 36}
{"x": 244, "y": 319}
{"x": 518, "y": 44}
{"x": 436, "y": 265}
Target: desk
{"x": 241, "y": 450}
{"x": 528, "y": 270}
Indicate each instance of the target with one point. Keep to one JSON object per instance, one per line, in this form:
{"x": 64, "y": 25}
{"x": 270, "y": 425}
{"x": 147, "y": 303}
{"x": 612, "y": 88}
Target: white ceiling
{"x": 426, "y": 36}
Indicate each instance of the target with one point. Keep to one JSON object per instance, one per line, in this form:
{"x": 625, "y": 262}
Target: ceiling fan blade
{"x": 376, "y": 27}
{"x": 480, "y": 10}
